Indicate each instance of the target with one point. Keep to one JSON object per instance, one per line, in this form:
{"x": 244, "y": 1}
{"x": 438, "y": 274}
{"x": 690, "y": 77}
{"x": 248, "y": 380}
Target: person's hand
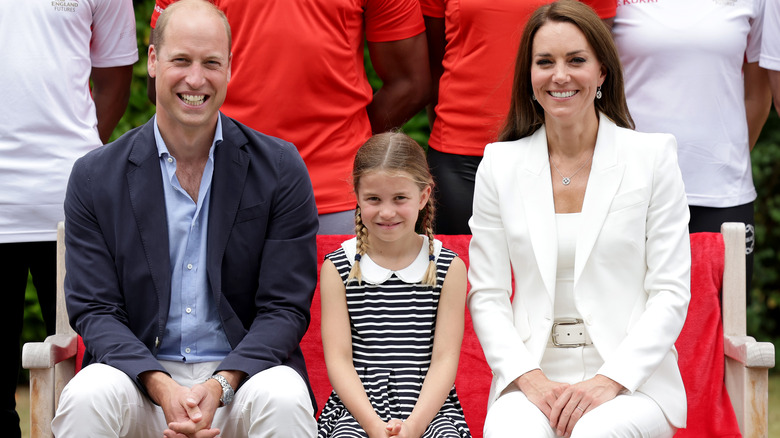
{"x": 401, "y": 429}
{"x": 393, "y": 427}
{"x": 579, "y": 399}
{"x": 540, "y": 390}
{"x": 192, "y": 411}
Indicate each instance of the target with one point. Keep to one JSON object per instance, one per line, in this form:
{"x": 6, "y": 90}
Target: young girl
{"x": 392, "y": 306}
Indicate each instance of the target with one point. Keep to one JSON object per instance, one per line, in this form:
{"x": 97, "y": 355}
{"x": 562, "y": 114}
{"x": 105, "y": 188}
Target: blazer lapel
{"x": 231, "y": 163}
{"x": 144, "y": 182}
{"x": 605, "y": 177}
{"x": 536, "y": 187}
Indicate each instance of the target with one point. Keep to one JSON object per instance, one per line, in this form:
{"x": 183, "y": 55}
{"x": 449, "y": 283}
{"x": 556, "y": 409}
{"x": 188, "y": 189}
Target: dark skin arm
{"x": 111, "y": 92}
{"x": 434, "y": 30}
{"x": 406, "y": 82}
{"x": 758, "y": 99}
{"x": 774, "y": 81}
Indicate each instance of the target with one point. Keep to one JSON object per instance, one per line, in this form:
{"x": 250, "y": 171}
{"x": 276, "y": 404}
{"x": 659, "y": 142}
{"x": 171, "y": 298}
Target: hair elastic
{"x": 431, "y": 257}
{"x": 357, "y": 257}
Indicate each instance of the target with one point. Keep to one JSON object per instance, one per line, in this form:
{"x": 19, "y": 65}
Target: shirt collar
{"x": 162, "y": 148}
{"x": 375, "y": 274}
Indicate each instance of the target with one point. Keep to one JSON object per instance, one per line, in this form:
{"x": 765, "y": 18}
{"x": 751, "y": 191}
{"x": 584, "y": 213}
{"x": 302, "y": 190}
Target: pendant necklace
{"x": 566, "y": 180}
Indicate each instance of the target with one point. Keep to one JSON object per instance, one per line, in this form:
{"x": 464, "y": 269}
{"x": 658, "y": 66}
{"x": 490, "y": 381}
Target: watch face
{"x": 227, "y": 390}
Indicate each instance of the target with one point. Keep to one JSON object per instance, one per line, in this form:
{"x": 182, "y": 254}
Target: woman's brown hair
{"x": 527, "y": 115}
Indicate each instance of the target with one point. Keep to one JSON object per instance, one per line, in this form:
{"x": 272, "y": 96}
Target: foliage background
{"x": 763, "y": 311}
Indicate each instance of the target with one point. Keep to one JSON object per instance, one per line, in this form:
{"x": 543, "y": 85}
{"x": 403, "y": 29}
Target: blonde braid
{"x": 429, "y": 278}
{"x": 361, "y": 234}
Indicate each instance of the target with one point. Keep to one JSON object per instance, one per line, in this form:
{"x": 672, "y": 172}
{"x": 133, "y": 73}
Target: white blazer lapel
{"x": 536, "y": 187}
{"x": 605, "y": 176}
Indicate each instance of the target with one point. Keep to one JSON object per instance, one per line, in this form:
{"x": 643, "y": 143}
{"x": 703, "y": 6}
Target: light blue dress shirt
{"x": 193, "y": 332}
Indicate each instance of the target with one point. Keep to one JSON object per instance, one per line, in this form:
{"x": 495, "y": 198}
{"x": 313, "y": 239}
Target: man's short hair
{"x": 165, "y": 16}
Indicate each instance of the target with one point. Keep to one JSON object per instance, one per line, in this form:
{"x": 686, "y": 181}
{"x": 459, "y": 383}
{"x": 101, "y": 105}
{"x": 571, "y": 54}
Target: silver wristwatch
{"x": 227, "y": 390}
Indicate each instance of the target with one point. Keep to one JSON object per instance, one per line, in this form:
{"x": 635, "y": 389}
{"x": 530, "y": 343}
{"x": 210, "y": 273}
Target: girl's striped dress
{"x": 392, "y": 317}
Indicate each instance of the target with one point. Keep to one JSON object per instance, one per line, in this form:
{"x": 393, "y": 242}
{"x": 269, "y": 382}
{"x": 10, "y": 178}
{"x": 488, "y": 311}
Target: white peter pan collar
{"x": 375, "y": 274}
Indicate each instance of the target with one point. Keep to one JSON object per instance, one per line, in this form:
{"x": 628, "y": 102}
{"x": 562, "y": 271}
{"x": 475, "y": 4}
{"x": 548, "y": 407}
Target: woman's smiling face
{"x": 565, "y": 72}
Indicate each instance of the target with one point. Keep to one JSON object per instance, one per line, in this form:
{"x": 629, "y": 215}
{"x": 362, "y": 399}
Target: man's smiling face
{"x": 191, "y": 70}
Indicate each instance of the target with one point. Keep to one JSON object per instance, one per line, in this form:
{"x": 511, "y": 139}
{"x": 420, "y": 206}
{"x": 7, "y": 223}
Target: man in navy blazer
{"x": 191, "y": 262}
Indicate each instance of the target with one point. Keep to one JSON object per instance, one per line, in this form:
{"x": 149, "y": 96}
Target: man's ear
{"x": 151, "y": 61}
{"x": 230, "y": 66}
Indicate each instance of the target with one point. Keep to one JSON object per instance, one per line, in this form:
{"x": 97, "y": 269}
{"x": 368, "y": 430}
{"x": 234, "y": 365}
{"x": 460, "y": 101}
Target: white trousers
{"x": 102, "y": 401}
{"x": 626, "y": 416}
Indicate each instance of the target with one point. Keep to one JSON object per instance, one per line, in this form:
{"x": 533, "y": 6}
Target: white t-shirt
{"x": 682, "y": 64}
{"x": 770, "y": 43}
{"x": 47, "y": 116}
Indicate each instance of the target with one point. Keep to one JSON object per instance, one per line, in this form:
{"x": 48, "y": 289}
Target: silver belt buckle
{"x": 559, "y": 329}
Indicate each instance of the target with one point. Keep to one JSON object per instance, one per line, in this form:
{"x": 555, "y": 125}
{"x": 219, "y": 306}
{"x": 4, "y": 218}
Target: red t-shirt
{"x": 298, "y": 74}
{"x": 482, "y": 41}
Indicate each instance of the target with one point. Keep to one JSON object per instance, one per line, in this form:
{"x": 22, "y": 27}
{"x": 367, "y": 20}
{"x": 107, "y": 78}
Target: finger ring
{"x": 580, "y": 408}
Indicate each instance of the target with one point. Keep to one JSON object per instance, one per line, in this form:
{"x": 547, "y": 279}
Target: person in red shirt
{"x": 472, "y": 46}
{"x": 298, "y": 74}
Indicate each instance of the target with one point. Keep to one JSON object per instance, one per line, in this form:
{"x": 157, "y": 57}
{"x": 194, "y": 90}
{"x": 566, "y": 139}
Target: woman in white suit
{"x": 589, "y": 219}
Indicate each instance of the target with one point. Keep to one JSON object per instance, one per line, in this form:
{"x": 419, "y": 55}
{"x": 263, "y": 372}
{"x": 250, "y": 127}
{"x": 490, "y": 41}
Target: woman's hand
{"x": 540, "y": 390}
{"x": 578, "y": 399}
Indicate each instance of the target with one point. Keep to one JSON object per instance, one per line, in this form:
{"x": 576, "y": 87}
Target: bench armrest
{"x": 46, "y": 354}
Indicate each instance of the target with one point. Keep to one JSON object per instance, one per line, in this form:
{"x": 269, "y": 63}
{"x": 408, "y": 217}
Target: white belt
{"x": 569, "y": 333}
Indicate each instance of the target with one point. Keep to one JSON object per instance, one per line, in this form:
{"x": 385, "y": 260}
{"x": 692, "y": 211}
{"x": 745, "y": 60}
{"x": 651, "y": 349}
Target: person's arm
{"x": 758, "y": 99}
{"x": 337, "y": 346}
{"x": 446, "y": 351}
{"x": 774, "y": 83}
{"x": 111, "y": 92}
{"x": 93, "y": 289}
{"x": 434, "y": 32}
{"x": 273, "y": 244}
{"x": 406, "y": 82}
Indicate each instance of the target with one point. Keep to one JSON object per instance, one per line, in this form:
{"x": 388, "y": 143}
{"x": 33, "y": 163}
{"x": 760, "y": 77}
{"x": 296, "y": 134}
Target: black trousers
{"x": 709, "y": 219}
{"x": 454, "y": 190}
{"x": 16, "y": 260}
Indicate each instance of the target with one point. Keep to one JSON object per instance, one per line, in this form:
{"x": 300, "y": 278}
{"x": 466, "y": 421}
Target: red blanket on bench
{"x": 700, "y": 346}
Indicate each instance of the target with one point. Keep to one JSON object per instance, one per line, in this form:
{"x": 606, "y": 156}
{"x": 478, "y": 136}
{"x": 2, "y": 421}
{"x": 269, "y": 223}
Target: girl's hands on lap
{"x": 400, "y": 429}
{"x": 580, "y": 398}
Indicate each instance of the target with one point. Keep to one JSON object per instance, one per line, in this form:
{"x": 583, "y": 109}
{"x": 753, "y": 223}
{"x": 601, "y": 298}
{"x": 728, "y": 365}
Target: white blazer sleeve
{"x": 491, "y": 281}
{"x": 667, "y": 281}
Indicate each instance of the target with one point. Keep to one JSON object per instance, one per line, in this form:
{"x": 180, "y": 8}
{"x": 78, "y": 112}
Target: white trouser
{"x": 102, "y": 401}
{"x": 626, "y": 416}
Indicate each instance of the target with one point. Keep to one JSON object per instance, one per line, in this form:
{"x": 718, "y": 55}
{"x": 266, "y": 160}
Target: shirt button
{"x": 189, "y": 310}
{"x": 170, "y": 160}
{"x": 189, "y": 265}
{"x": 187, "y": 350}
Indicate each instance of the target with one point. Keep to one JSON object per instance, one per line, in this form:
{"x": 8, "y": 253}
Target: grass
{"x": 23, "y": 407}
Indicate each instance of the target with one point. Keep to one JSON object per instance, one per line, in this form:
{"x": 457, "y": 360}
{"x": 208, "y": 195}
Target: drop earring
{"x": 598, "y": 92}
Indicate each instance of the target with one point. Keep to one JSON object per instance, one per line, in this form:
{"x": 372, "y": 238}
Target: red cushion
{"x": 700, "y": 345}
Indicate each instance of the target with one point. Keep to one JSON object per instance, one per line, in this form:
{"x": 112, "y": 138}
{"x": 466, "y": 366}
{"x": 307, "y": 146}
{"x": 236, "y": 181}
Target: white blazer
{"x": 632, "y": 260}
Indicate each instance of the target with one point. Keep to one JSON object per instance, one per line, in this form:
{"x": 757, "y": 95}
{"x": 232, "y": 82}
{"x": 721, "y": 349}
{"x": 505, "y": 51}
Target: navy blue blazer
{"x": 262, "y": 256}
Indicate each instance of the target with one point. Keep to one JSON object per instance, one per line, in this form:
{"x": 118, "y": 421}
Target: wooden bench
{"x": 726, "y": 381}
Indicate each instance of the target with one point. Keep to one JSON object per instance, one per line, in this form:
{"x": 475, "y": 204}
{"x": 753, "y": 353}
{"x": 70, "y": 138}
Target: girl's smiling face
{"x": 565, "y": 72}
{"x": 390, "y": 204}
